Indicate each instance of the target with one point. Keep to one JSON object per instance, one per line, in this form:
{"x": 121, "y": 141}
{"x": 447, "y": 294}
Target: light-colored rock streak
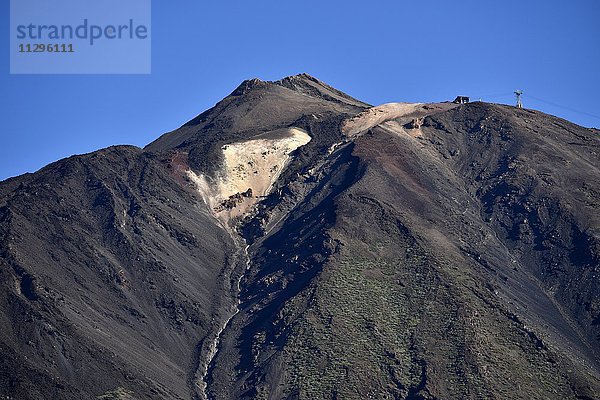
{"x": 399, "y": 118}
{"x": 251, "y": 164}
{"x": 377, "y": 115}
{"x": 214, "y": 346}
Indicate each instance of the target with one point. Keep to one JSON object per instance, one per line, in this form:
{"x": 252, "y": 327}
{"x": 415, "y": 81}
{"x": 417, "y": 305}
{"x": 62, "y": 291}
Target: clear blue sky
{"x": 378, "y": 51}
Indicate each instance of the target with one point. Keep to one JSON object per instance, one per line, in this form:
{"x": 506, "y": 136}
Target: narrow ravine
{"x": 214, "y": 346}
{"x": 249, "y": 172}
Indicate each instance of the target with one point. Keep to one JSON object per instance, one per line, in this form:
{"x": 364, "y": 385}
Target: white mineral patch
{"x": 252, "y": 164}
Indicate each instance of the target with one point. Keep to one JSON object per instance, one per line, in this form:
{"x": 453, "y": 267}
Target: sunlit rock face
{"x": 250, "y": 169}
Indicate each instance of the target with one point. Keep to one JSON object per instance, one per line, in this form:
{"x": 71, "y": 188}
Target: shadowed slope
{"x": 398, "y": 284}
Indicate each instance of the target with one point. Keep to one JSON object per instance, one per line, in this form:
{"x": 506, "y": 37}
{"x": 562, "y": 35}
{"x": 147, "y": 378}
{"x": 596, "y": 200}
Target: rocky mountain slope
{"x": 295, "y": 243}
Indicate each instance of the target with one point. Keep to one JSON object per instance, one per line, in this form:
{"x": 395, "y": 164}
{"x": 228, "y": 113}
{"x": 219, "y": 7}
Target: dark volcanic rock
{"x": 112, "y": 275}
{"x": 447, "y": 252}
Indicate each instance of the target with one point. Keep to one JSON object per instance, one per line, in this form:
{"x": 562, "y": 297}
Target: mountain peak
{"x": 300, "y": 77}
{"x": 247, "y": 85}
{"x": 311, "y": 86}
{"x": 302, "y": 83}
